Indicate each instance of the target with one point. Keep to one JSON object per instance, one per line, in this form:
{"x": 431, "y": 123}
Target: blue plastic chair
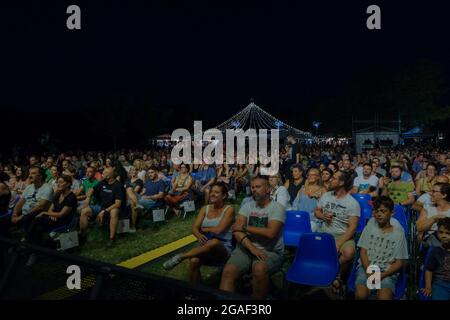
{"x": 422, "y": 277}
{"x": 363, "y": 199}
{"x": 365, "y": 215}
{"x": 400, "y": 215}
{"x": 297, "y": 223}
{"x": 316, "y": 262}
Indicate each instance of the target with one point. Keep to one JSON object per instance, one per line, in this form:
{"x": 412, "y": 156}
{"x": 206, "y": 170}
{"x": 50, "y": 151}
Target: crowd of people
{"x": 41, "y": 193}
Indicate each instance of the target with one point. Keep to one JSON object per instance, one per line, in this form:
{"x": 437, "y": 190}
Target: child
{"x": 382, "y": 245}
{"x": 437, "y": 274}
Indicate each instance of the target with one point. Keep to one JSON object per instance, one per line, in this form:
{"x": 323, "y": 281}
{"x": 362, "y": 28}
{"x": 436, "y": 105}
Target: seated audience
{"x": 212, "y": 228}
{"x": 367, "y": 182}
{"x": 278, "y": 192}
{"x": 110, "y": 199}
{"x": 181, "y": 188}
{"x": 295, "y": 183}
{"x": 205, "y": 177}
{"x": 429, "y": 216}
{"x": 340, "y": 213}
{"x": 437, "y": 277}
{"x": 60, "y": 213}
{"x": 383, "y": 245}
{"x": 260, "y": 246}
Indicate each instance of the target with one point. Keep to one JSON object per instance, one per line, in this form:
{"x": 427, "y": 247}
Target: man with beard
{"x": 260, "y": 246}
{"x": 401, "y": 192}
{"x": 340, "y": 214}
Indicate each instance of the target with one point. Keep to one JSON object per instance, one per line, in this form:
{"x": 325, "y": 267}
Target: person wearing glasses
{"x": 429, "y": 216}
{"x": 35, "y": 199}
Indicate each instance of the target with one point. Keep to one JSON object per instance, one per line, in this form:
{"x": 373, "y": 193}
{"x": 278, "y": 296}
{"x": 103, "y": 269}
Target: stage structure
{"x": 376, "y": 133}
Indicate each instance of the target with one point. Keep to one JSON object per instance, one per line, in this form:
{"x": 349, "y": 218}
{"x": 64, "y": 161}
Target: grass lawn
{"x": 131, "y": 245}
{"x": 152, "y": 236}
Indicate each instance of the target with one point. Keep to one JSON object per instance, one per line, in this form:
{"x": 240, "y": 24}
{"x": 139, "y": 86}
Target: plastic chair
{"x": 363, "y": 199}
{"x": 316, "y": 262}
{"x": 422, "y": 277}
{"x": 297, "y": 223}
{"x": 400, "y": 215}
{"x": 365, "y": 215}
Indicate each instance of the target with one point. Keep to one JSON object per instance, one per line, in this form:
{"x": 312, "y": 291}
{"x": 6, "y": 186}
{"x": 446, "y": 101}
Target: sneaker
{"x": 172, "y": 262}
{"x": 111, "y": 243}
{"x": 140, "y": 206}
{"x": 31, "y": 260}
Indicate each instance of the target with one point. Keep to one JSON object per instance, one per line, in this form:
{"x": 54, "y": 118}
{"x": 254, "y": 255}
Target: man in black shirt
{"x": 293, "y": 156}
{"x": 110, "y": 198}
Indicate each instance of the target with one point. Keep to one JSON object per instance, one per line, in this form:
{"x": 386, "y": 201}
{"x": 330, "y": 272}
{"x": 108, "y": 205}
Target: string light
{"x": 253, "y": 117}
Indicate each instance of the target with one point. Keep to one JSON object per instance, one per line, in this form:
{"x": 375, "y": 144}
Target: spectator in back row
{"x": 425, "y": 199}
{"x": 367, "y": 182}
{"x": 309, "y": 195}
{"x": 295, "y": 183}
{"x": 204, "y": 179}
{"x": 401, "y": 192}
{"x": 88, "y": 183}
{"x": 151, "y": 196}
{"x": 278, "y": 192}
{"x": 425, "y": 184}
{"x": 181, "y": 187}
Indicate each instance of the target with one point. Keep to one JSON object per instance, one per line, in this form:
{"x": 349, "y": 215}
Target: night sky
{"x": 207, "y": 57}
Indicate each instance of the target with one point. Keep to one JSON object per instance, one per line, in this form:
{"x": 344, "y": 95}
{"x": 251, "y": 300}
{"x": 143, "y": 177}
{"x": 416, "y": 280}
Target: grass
{"x": 153, "y": 236}
{"x": 131, "y": 245}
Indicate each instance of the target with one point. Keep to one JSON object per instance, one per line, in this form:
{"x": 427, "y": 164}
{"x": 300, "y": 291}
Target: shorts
{"x": 348, "y": 243}
{"x": 148, "y": 203}
{"x": 387, "y": 283}
{"x": 244, "y": 260}
{"x": 96, "y": 208}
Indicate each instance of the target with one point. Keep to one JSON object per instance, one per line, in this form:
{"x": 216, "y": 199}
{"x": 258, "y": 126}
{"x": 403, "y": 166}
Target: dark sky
{"x": 207, "y": 56}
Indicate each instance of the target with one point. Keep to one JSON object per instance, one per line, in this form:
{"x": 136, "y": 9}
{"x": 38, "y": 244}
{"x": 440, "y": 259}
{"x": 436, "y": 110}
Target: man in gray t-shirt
{"x": 36, "y": 198}
{"x": 258, "y": 233}
{"x": 340, "y": 213}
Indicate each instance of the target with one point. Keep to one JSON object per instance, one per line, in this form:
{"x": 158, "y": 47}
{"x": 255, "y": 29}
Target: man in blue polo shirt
{"x": 151, "y": 196}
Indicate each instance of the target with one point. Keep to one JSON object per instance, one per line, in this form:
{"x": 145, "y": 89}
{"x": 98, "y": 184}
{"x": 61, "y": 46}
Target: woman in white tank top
{"x": 430, "y": 215}
{"x": 212, "y": 228}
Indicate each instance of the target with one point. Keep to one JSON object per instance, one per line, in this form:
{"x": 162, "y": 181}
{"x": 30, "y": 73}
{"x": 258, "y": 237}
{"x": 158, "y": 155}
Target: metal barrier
{"x": 47, "y": 279}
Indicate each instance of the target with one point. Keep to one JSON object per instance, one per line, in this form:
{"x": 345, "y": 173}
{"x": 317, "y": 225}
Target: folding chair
{"x": 297, "y": 223}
